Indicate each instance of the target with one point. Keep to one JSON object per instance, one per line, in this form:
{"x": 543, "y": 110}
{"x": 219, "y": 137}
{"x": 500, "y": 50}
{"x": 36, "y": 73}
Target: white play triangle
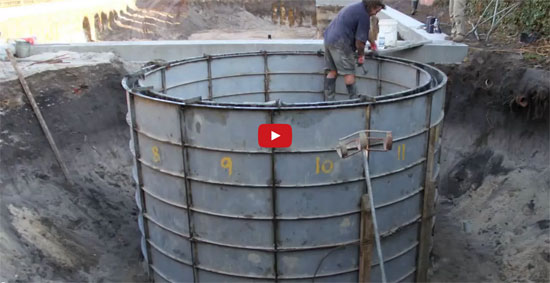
{"x": 274, "y": 135}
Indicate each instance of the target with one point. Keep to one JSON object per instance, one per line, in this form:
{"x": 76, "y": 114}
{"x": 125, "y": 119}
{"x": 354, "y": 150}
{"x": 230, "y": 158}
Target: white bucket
{"x": 22, "y": 48}
{"x": 388, "y": 30}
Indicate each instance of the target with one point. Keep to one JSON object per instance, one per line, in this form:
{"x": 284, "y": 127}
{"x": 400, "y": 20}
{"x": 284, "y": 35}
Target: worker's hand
{"x": 360, "y": 60}
{"x": 373, "y": 46}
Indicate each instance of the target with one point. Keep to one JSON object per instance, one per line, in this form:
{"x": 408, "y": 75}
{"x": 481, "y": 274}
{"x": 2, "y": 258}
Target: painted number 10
{"x": 326, "y": 167}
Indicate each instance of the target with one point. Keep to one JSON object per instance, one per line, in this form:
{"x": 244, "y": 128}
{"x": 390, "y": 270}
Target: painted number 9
{"x": 327, "y": 166}
{"x": 156, "y": 154}
{"x": 227, "y": 163}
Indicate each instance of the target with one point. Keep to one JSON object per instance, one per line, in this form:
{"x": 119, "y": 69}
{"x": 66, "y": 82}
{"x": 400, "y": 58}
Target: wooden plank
{"x": 366, "y": 240}
{"x": 38, "y": 114}
{"x": 428, "y": 211}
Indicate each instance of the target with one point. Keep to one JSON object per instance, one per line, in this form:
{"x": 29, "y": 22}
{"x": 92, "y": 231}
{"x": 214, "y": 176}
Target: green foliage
{"x": 530, "y": 16}
{"x": 533, "y": 15}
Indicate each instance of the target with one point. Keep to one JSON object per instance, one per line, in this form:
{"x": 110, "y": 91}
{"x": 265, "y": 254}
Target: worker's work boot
{"x": 352, "y": 91}
{"x": 330, "y": 89}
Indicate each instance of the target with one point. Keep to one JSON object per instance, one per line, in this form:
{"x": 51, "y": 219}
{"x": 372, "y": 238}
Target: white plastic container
{"x": 381, "y": 42}
{"x": 388, "y": 30}
{"x": 22, "y": 48}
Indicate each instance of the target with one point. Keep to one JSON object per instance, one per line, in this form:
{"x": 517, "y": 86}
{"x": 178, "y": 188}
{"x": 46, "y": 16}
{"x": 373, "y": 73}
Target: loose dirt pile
{"x": 494, "y": 213}
{"x": 175, "y": 20}
{"x": 51, "y": 231}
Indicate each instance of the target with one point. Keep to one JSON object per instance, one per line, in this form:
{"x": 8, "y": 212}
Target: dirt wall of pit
{"x": 493, "y": 215}
{"x": 324, "y": 14}
{"x": 67, "y": 21}
{"x": 83, "y": 21}
{"x": 52, "y": 231}
{"x": 282, "y": 12}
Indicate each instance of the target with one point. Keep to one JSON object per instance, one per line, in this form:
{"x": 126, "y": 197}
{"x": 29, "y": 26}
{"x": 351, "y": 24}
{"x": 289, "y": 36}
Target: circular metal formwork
{"x": 217, "y": 207}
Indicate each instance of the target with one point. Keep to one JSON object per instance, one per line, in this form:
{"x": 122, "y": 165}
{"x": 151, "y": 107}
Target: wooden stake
{"x": 366, "y": 240}
{"x": 428, "y": 210}
{"x": 38, "y": 114}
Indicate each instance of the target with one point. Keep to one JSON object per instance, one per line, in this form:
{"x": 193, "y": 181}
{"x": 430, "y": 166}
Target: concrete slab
{"x": 52, "y": 61}
{"x": 320, "y": 3}
{"x": 422, "y": 46}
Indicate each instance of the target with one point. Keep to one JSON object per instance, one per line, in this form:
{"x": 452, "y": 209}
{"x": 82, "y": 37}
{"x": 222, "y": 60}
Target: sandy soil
{"x": 52, "y": 231}
{"x": 52, "y": 61}
{"x": 493, "y": 214}
{"x": 174, "y": 20}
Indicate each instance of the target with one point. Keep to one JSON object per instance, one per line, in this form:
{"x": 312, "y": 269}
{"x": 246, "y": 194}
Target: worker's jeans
{"x": 456, "y": 13}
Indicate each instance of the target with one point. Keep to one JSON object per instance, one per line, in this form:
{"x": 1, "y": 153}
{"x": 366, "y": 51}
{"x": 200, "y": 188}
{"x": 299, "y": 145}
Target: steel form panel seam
{"x": 286, "y": 218}
{"x": 399, "y": 254}
{"x": 209, "y": 72}
{"x": 210, "y": 80}
{"x": 189, "y": 195}
{"x": 408, "y": 89}
{"x": 301, "y": 106}
{"x": 163, "y": 227}
{"x": 425, "y": 230}
{"x": 165, "y": 277}
{"x": 134, "y": 137}
{"x": 406, "y": 275}
{"x": 283, "y": 186}
{"x": 274, "y": 221}
{"x": 163, "y": 80}
{"x": 386, "y": 260}
{"x": 388, "y": 59}
{"x": 148, "y": 70}
{"x": 162, "y": 140}
{"x": 280, "y": 249}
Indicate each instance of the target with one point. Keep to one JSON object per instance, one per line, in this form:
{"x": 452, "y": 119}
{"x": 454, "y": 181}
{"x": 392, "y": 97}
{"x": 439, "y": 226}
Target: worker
{"x": 414, "y": 6}
{"x": 344, "y": 40}
{"x": 456, "y": 13}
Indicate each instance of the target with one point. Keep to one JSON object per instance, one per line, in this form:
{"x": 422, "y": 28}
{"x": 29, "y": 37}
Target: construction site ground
{"x": 493, "y": 210}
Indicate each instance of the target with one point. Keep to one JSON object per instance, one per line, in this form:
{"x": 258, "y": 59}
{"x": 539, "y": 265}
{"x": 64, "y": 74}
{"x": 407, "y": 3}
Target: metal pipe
{"x": 374, "y": 220}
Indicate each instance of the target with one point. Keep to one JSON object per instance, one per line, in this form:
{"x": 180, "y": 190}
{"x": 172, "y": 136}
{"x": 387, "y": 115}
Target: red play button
{"x": 275, "y": 135}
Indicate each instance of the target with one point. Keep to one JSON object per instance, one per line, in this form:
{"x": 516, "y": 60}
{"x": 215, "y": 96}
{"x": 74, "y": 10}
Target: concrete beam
{"x": 142, "y": 51}
{"x": 320, "y": 3}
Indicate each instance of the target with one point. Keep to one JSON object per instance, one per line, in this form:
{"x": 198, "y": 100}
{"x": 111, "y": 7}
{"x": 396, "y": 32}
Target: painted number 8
{"x": 227, "y": 163}
{"x": 156, "y": 154}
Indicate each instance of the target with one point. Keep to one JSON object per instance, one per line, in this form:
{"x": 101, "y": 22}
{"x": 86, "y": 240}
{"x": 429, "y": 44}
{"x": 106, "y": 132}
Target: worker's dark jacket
{"x": 352, "y": 23}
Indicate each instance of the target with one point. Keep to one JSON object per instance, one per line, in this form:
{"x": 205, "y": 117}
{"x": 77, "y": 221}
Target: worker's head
{"x": 373, "y": 6}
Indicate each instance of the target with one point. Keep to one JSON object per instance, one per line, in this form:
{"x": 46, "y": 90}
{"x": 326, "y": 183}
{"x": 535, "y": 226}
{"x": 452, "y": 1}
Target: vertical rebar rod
{"x": 40, "y": 118}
